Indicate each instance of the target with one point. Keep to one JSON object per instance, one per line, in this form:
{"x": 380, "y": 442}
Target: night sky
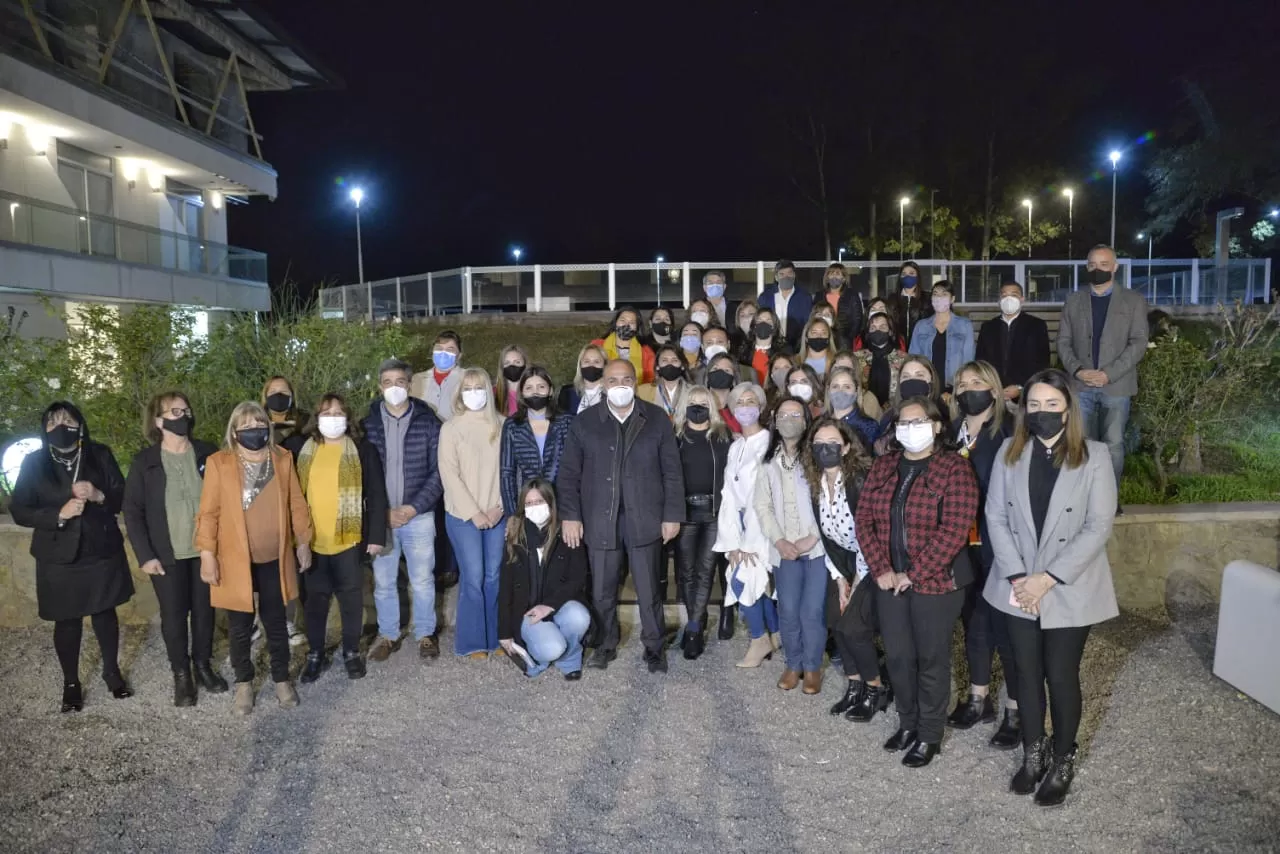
{"x": 614, "y": 131}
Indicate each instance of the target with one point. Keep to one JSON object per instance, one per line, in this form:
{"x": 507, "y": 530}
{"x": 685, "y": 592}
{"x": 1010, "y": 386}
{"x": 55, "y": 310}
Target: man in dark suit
{"x": 790, "y": 305}
{"x": 1016, "y": 344}
{"x": 621, "y": 491}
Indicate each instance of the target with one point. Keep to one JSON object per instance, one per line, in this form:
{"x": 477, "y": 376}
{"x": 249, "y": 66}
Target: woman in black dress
{"x": 70, "y": 492}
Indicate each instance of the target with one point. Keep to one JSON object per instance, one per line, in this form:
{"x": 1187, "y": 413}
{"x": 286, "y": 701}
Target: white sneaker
{"x": 296, "y": 636}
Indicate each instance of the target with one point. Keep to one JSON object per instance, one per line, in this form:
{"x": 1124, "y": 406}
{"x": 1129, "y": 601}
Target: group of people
{"x": 854, "y": 494}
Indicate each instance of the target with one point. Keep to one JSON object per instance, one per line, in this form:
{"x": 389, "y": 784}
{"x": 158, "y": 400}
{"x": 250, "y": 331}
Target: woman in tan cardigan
{"x": 470, "y": 452}
{"x": 251, "y": 515}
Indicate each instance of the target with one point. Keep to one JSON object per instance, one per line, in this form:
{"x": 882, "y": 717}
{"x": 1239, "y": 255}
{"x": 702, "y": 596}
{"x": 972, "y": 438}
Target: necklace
{"x": 788, "y": 465}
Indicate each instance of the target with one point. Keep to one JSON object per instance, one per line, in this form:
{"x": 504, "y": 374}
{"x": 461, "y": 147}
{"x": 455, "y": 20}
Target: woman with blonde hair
{"x": 843, "y": 399}
{"x": 470, "y": 466}
{"x": 253, "y": 521}
{"x": 816, "y": 347}
{"x": 511, "y": 364}
{"x": 586, "y": 389}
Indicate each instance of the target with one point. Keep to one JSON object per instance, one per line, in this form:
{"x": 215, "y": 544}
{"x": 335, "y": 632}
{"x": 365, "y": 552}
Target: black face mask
{"x": 1044, "y": 425}
{"x": 63, "y": 437}
{"x": 878, "y": 339}
{"x": 662, "y": 329}
{"x": 914, "y": 388}
{"x": 817, "y": 345}
{"x": 827, "y": 455}
{"x": 537, "y": 401}
{"x": 252, "y": 438}
{"x": 279, "y": 402}
{"x": 625, "y": 333}
{"x": 974, "y": 402}
{"x": 512, "y": 372}
{"x": 720, "y": 380}
{"x": 696, "y": 413}
{"x": 1097, "y": 277}
{"x": 763, "y": 331}
{"x": 178, "y": 426}
{"x": 592, "y": 373}
{"x": 671, "y": 373}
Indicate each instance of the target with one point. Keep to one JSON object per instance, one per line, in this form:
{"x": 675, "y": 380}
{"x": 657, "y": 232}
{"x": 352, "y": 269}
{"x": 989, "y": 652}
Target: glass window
{"x": 96, "y": 162}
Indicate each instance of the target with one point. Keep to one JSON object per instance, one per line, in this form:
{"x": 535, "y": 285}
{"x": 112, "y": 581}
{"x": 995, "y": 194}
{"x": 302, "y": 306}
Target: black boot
{"x": 1009, "y": 735}
{"x": 209, "y": 678}
{"x": 977, "y": 708}
{"x": 875, "y": 698}
{"x": 116, "y": 685}
{"x": 72, "y": 697}
{"x": 184, "y": 688}
{"x": 1053, "y": 791}
{"x": 728, "y": 619}
{"x": 354, "y": 665}
{"x": 316, "y": 664}
{"x": 1034, "y": 759}
{"x": 852, "y": 696}
{"x": 901, "y": 740}
{"x": 693, "y": 645}
{"x": 920, "y": 754}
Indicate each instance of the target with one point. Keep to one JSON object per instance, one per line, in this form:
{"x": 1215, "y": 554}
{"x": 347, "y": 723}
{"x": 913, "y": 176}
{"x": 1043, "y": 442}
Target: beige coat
{"x": 470, "y": 453}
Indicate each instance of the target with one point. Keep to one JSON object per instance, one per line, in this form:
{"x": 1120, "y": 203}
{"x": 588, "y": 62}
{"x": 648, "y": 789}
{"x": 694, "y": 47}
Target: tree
{"x": 1008, "y": 232}
{"x": 812, "y": 138}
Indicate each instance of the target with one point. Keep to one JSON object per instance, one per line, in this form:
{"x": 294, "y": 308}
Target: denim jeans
{"x": 761, "y": 615}
{"x": 557, "y": 639}
{"x": 1105, "y": 417}
{"x": 479, "y": 563}
{"x": 802, "y": 611}
{"x": 418, "y": 542}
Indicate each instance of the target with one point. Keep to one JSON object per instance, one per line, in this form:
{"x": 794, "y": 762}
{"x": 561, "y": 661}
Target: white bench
{"x": 1248, "y": 649}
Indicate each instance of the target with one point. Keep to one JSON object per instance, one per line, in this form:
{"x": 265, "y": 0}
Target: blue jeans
{"x": 1105, "y": 417}
{"x": 418, "y": 542}
{"x": 761, "y": 615}
{"x": 557, "y": 639}
{"x": 479, "y": 562}
{"x": 802, "y": 611}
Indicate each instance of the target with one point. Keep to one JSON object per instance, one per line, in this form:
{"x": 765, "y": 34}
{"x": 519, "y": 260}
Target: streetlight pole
{"x": 902, "y": 226}
{"x": 841, "y": 252}
{"x": 1150, "y": 239}
{"x": 1071, "y": 220}
{"x": 516, "y": 252}
{"x": 357, "y": 196}
{"x": 1026, "y": 203}
{"x": 1115, "y": 170}
{"x": 657, "y": 277}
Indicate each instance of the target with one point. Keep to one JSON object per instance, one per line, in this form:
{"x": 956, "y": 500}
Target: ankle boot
{"x": 1009, "y": 735}
{"x": 1035, "y": 757}
{"x": 978, "y": 708}
{"x": 758, "y": 652}
{"x": 209, "y": 678}
{"x": 184, "y": 688}
{"x": 243, "y": 704}
{"x": 875, "y": 698}
{"x": 1053, "y": 791}
{"x": 72, "y": 697}
{"x": 286, "y": 695}
{"x": 116, "y": 684}
{"x": 728, "y": 620}
{"x": 316, "y": 664}
{"x": 852, "y": 696}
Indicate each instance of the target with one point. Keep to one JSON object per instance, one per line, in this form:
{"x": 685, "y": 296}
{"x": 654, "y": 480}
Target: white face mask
{"x": 395, "y": 395}
{"x": 1010, "y": 305}
{"x": 475, "y": 399}
{"x": 713, "y": 351}
{"x": 802, "y": 391}
{"x": 621, "y": 396}
{"x": 538, "y": 514}
{"x": 700, "y": 317}
{"x": 915, "y": 437}
{"x": 332, "y": 426}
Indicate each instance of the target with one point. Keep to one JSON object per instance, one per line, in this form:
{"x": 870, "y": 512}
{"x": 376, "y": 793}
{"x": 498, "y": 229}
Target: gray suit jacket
{"x": 1073, "y": 548}
{"x": 1124, "y": 339}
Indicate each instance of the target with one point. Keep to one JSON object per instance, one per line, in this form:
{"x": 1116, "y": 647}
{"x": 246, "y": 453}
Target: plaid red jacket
{"x": 941, "y": 508}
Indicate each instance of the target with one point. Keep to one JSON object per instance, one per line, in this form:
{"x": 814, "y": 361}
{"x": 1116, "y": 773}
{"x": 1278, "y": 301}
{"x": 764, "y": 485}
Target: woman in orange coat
{"x": 251, "y": 515}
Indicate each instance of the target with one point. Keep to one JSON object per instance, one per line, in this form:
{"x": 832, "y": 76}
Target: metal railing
{"x": 33, "y": 222}
{"x": 541, "y": 288}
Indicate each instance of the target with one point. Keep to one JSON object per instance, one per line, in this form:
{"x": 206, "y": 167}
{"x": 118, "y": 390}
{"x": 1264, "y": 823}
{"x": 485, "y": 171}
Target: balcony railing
{"x": 32, "y": 222}
{"x": 580, "y": 287}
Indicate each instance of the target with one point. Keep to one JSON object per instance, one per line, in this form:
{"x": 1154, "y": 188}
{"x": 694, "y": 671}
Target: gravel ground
{"x": 472, "y": 756}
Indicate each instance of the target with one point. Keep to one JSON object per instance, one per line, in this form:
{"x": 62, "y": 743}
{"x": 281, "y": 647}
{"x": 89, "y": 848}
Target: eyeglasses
{"x": 916, "y": 423}
{"x": 178, "y": 412}
{"x": 790, "y": 416}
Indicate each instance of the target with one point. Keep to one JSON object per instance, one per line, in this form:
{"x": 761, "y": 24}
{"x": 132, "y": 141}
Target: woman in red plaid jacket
{"x": 913, "y": 521}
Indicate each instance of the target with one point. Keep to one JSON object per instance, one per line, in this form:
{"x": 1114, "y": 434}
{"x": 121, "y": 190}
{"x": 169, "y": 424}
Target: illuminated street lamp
{"x": 1071, "y": 218}
{"x": 1026, "y": 203}
{"x": 357, "y": 196}
{"x": 1115, "y": 170}
{"x": 902, "y": 220}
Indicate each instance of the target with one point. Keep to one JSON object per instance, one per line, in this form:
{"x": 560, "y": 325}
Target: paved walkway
{"x": 472, "y": 757}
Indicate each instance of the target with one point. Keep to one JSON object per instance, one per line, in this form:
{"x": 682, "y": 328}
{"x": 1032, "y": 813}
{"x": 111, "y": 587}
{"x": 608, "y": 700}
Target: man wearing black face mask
{"x": 1101, "y": 339}
{"x": 844, "y": 299}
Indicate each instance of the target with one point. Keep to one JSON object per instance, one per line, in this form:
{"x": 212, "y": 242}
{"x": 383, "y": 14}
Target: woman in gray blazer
{"x": 1050, "y": 505}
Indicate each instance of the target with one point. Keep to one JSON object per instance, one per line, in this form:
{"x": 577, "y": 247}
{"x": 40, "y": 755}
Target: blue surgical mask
{"x": 908, "y": 281}
{"x": 443, "y": 360}
{"x": 690, "y": 343}
{"x": 715, "y": 291}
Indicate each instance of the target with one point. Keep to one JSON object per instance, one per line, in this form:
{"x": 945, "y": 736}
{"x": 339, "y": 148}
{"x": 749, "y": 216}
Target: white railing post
{"x": 964, "y": 293}
{"x": 685, "y": 295}
{"x": 759, "y": 278}
{"x": 613, "y": 286}
{"x": 399, "y": 302}
{"x": 431, "y": 296}
{"x": 1266, "y": 280}
{"x": 1075, "y": 276}
{"x": 537, "y": 287}
{"x": 466, "y": 290}
{"x": 1195, "y": 281}
{"x": 1019, "y": 274}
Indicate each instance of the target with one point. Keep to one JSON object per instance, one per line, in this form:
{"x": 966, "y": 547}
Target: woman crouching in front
{"x": 1050, "y": 507}
{"x": 251, "y": 513}
{"x": 541, "y": 593}
{"x": 913, "y": 522}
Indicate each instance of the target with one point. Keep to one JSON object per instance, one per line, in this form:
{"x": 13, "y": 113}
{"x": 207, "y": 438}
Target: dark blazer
{"x": 907, "y": 311}
{"x": 373, "y": 491}
{"x": 521, "y": 461}
{"x": 39, "y": 494}
{"x": 719, "y": 457}
{"x": 604, "y": 468}
{"x": 145, "y": 519}
{"x": 941, "y": 508}
{"x": 845, "y": 561}
{"x": 982, "y": 456}
{"x": 849, "y": 314}
{"x": 1123, "y": 344}
{"x": 799, "y": 308}
{"x": 422, "y": 486}
{"x": 1026, "y": 341}
{"x": 289, "y": 436}
{"x": 564, "y": 579}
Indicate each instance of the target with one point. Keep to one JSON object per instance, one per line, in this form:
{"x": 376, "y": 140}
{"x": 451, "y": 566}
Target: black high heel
{"x": 116, "y": 685}
{"x": 72, "y": 698}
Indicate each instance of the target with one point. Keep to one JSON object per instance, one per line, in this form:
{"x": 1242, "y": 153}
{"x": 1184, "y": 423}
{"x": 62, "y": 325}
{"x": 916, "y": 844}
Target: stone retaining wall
{"x": 1151, "y": 549}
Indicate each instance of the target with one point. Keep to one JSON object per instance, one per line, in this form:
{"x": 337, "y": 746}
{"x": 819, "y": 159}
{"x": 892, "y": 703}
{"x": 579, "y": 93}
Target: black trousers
{"x": 67, "y": 635}
{"x": 266, "y": 583}
{"x": 917, "y": 628}
{"x": 182, "y": 594}
{"x": 854, "y": 629}
{"x": 606, "y": 580}
{"x": 1053, "y": 656}
{"x": 696, "y": 565}
{"x": 985, "y": 633}
{"x": 340, "y": 576}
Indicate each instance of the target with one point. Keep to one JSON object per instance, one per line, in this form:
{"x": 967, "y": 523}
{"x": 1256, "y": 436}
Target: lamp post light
{"x": 1115, "y": 170}
{"x": 657, "y": 277}
{"x": 1026, "y": 203}
{"x": 1150, "y": 238}
{"x": 357, "y": 196}
{"x": 516, "y": 252}
{"x": 902, "y": 226}
{"x": 840, "y": 252}
{"x": 1071, "y": 219}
